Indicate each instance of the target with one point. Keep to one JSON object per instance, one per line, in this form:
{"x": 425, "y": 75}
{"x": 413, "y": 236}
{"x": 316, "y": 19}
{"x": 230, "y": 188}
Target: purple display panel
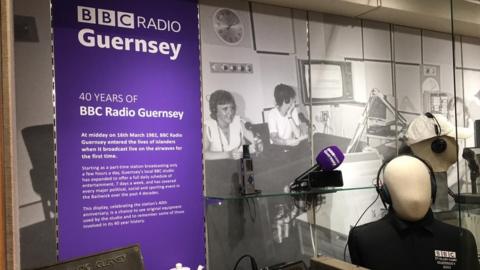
{"x": 128, "y": 123}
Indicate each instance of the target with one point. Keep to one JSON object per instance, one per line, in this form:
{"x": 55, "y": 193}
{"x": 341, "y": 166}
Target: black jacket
{"x": 392, "y": 243}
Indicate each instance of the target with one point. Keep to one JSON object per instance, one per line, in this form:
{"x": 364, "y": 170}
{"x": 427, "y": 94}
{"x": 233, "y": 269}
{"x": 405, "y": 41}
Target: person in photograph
{"x": 224, "y": 131}
{"x": 463, "y": 114}
{"x": 463, "y": 117}
{"x": 463, "y": 120}
{"x": 283, "y": 120}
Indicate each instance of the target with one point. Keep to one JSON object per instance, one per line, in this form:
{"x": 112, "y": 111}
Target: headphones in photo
{"x": 439, "y": 145}
{"x": 382, "y": 188}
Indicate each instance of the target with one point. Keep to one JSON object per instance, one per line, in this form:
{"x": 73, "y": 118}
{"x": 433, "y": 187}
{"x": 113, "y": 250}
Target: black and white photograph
{"x": 289, "y": 83}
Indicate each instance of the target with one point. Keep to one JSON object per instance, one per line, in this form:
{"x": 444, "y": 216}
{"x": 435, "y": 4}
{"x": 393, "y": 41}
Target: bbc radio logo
{"x": 445, "y": 254}
{"x": 105, "y": 17}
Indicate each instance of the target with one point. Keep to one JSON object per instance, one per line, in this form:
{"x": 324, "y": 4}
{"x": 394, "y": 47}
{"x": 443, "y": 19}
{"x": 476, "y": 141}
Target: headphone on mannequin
{"x": 439, "y": 145}
{"x": 382, "y": 189}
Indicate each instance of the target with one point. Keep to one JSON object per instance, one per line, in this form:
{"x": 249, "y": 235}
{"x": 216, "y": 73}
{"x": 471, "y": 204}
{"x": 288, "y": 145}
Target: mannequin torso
{"x": 409, "y": 237}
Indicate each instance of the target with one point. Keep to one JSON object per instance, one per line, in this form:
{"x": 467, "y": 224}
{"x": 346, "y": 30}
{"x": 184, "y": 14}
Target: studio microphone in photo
{"x": 303, "y": 118}
{"x": 476, "y": 133}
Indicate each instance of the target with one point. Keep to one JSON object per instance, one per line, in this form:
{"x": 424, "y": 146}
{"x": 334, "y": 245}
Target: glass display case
{"x": 281, "y": 228}
{"x": 465, "y": 53}
{"x": 361, "y": 72}
{"x": 404, "y": 59}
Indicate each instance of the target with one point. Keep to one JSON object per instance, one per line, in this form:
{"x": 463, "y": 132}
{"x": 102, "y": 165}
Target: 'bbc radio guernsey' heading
{"x": 127, "y": 112}
{"x": 88, "y": 38}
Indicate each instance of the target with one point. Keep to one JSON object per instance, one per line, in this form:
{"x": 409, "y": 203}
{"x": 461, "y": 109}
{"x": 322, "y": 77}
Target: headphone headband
{"x": 438, "y": 128}
{"x": 439, "y": 145}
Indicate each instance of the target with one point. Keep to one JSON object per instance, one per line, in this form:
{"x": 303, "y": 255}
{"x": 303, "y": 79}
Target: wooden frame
{"x": 9, "y": 247}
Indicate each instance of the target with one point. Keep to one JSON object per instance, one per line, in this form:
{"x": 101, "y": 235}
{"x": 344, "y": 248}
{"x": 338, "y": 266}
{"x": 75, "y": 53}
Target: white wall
{"x": 334, "y": 37}
{"x": 33, "y": 79}
{"x": 34, "y": 106}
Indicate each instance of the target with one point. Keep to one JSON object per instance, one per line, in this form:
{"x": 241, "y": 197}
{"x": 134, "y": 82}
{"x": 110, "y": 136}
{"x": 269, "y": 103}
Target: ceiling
{"x": 427, "y": 14}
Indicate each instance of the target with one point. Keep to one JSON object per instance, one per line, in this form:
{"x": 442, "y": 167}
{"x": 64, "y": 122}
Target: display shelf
{"x": 282, "y": 194}
{"x": 373, "y": 136}
{"x": 468, "y": 199}
{"x": 468, "y": 206}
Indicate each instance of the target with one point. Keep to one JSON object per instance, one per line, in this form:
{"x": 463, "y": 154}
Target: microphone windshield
{"x": 330, "y": 158}
{"x": 248, "y": 126}
{"x": 468, "y": 154}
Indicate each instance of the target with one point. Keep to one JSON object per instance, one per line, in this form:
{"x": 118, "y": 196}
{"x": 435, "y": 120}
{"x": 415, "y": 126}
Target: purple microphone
{"x": 327, "y": 160}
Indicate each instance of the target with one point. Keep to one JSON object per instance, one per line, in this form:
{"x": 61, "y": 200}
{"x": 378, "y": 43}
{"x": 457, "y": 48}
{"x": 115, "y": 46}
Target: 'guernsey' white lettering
{"x": 142, "y": 112}
{"x": 127, "y": 112}
{"x": 88, "y": 38}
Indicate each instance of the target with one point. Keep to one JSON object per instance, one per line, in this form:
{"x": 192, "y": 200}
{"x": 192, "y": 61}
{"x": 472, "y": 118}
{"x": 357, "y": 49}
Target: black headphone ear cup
{"x": 439, "y": 145}
{"x": 380, "y": 188}
{"x": 385, "y": 195}
{"x": 213, "y": 110}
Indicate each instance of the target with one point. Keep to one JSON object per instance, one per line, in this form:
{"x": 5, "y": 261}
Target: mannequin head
{"x": 440, "y": 162}
{"x": 429, "y": 131}
{"x": 409, "y": 184}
